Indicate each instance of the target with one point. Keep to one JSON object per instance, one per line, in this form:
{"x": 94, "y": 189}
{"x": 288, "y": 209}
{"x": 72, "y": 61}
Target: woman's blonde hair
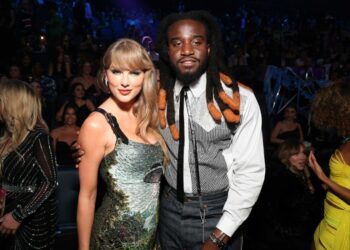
{"x": 288, "y": 148}
{"x": 127, "y": 54}
{"x": 20, "y": 110}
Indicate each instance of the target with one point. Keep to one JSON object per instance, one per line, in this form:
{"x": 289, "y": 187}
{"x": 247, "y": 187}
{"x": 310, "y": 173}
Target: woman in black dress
{"x": 289, "y": 206}
{"x": 84, "y": 105}
{"x": 28, "y": 171}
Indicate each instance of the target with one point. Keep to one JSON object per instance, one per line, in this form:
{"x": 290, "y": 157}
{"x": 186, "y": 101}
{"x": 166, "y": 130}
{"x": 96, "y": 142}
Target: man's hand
{"x": 8, "y": 225}
{"x": 210, "y": 245}
{"x": 77, "y": 152}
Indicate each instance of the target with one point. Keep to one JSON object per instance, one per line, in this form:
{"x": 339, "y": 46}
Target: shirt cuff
{"x": 17, "y": 215}
{"x": 227, "y": 225}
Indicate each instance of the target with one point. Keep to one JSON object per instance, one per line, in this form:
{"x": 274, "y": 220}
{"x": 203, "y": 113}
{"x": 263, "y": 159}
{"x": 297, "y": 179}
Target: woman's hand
{"x": 313, "y": 164}
{"x": 8, "y": 225}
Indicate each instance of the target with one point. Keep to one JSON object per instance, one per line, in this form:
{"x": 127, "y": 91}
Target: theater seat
{"x": 67, "y": 194}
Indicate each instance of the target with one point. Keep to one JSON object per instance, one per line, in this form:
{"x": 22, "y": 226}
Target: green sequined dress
{"x": 128, "y": 215}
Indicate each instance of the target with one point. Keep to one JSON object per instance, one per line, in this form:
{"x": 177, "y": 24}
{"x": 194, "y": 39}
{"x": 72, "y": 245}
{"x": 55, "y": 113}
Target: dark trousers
{"x": 180, "y": 224}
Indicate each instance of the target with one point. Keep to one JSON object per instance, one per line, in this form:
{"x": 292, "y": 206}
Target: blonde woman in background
{"x": 27, "y": 171}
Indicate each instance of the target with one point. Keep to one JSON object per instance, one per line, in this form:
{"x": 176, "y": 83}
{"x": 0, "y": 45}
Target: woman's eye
{"x": 135, "y": 73}
{"x": 115, "y": 71}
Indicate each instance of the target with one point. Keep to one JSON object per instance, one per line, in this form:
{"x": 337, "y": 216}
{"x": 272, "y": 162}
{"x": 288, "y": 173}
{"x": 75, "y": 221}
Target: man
{"x": 222, "y": 156}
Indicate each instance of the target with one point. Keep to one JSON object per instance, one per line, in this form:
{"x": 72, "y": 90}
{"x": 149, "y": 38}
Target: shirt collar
{"x": 197, "y": 87}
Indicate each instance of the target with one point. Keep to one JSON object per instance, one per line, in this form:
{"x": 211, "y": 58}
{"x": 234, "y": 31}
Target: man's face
{"x": 188, "y": 49}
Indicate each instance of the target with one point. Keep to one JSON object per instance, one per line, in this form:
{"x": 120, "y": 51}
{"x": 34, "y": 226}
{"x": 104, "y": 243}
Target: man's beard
{"x": 188, "y": 78}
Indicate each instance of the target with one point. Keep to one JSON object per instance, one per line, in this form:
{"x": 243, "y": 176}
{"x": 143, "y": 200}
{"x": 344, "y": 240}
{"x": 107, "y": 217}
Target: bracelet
{"x": 219, "y": 243}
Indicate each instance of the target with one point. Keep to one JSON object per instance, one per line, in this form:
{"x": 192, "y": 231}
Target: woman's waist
{"x": 334, "y": 214}
{"x": 334, "y": 202}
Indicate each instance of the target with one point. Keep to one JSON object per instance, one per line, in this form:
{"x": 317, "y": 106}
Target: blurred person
{"x": 289, "y": 206}
{"x": 78, "y": 98}
{"x": 28, "y": 171}
{"x": 121, "y": 140}
{"x": 288, "y": 128}
{"x": 331, "y": 109}
{"x": 86, "y": 77}
{"x": 60, "y": 69}
{"x": 49, "y": 90}
{"x": 15, "y": 72}
{"x": 65, "y": 135}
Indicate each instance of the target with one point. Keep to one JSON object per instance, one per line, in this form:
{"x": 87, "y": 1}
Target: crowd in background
{"x": 51, "y": 42}
{"x": 56, "y": 46}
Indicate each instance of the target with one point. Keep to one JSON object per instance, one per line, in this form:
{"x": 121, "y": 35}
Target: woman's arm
{"x": 94, "y": 145}
{"x": 47, "y": 178}
{"x": 342, "y": 192}
{"x": 54, "y": 135}
{"x": 59, "y": 113}
{"x": 274, "y": 134}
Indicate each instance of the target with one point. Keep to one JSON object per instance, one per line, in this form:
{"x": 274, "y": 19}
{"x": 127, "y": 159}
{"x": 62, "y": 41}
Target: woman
{"x": 86, "y": 78}
{"x": 65, "y": 136}
{"x": 123, "y": 137}
{"x": 28, "y": 171}
{"x": 84, "y": 105}
{"x": 290, "y": 202}
{"x": 288, "y": 128}
{"x": 331, "y": 109}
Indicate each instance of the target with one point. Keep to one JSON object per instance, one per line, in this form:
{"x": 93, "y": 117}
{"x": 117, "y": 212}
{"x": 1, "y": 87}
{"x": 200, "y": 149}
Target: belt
{"x": 195, "y": 197}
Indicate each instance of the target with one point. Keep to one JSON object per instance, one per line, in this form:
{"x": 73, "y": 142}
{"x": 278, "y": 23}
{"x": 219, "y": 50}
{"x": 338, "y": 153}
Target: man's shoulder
{"x": 245, "y": 89}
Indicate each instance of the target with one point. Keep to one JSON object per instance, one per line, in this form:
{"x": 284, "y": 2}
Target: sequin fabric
{"x": 30, "y": 174}
{"x": 128, "y": 215}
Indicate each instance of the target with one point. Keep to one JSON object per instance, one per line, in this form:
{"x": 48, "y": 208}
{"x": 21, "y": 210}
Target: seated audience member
{"x": 289, "y": 208}
{"x": 288, "y": 128}
{"x": 35, "y": 84}
{"x": 65, "y": 136}
{"x": 84, "y": 105}
{"x": 87, "y": 79}
{"x": 15, "y": 72}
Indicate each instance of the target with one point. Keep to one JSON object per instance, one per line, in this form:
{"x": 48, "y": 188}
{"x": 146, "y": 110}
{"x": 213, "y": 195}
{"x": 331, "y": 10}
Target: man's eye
{"x": 197, "y": 43}
{"x": 176, "y": 44}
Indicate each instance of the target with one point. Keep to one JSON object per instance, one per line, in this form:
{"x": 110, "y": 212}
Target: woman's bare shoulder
{"x": 56, "y": 131}
{"x": 95, "y": 122}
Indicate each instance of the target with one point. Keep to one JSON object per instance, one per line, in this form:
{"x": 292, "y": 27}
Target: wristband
{"x": 217, "y": 242}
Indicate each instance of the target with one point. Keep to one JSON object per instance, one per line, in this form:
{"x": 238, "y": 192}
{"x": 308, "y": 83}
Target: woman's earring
{"x": 106, "y": 82}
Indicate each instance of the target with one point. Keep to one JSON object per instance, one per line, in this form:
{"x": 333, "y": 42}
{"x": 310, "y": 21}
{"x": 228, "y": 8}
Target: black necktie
{"x": 180, "y": 156}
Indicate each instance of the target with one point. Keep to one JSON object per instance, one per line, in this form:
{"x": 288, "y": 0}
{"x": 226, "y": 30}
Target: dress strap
{"x": 339, "y": 156}
{"x": 112, "y": 121}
